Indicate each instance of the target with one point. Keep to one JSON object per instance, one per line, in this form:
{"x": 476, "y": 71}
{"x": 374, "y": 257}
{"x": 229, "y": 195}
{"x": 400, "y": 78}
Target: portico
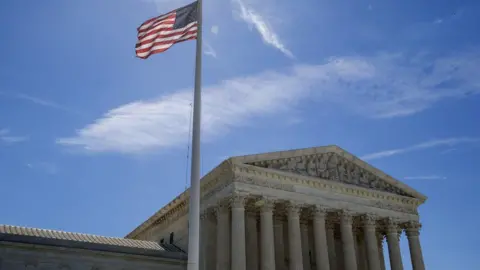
{"x": 310, "y": 209}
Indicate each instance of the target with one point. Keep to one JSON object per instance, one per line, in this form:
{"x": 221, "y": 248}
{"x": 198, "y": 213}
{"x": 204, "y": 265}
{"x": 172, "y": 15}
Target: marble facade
{"x": 309, "y": 209}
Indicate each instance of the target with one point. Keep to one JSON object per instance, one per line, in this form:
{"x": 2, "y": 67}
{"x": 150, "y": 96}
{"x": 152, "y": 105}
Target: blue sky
{"x": 94, "y": 140}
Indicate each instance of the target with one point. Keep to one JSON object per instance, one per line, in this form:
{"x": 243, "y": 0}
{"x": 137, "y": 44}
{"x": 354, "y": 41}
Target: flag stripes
{"x": 158, "y": 34}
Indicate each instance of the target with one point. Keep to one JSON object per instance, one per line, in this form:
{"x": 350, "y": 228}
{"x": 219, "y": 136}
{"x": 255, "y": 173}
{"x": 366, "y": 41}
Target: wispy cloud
{"x": 427, "y": 177}
{"x": 8, "y": 138}
{"x": 421, "y": 146}
{"x": 46, "y": 167}
{"x": 448, "y": 151}
{"x": 208, "y": 50}
{"x": 378, "y": 86}
{"x": 253, "y": 18}
{"x": 39, "y": 101}
{"x": 214, "y": 29}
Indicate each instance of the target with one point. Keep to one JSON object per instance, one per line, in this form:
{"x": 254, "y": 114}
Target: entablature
{"x": 286, "y": 181}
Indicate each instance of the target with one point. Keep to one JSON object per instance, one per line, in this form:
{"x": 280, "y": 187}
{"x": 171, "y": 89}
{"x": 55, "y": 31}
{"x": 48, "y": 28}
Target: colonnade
{"x": 239, "y": 234}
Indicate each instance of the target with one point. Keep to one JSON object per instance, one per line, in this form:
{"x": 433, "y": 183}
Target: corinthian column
{"x": 393, "y": 240}
{"x": 380, "y": 237}
{"x": 239, "y": 261}
{"x": 320, "y": 237}
{"x": 294, "y": 237}
{"x": 210, "y": 247}
{"x": 252, "y": 241}
{"x": 223, "y": 237}
{"x": 266, "y": 232}
{"x": 413, "y": 232}
{"x": 350, "y": 259}
{"x": 332, "y": 253}
{"x": 279, "y": 244}
{"x": 305, "y": 245}
{"x": 371, "y": 242}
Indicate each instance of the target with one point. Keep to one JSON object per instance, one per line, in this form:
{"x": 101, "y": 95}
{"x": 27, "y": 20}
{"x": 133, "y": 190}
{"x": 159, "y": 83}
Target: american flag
{"x": 158, "y": 34}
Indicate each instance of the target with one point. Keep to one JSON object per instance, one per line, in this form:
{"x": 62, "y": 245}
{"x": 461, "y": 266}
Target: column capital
{"x": 391, "y": 225}
{"x": 346, "y": 217}
{"x": 238, "y": 201}
{"x": 266, "y": 204}
{"x": 319, "y": 211}
{"x": 222, "y": 205}
{"x": 369, "y": 220}
{"x": 412, "y": 228}
{"x": 293, "y": 209}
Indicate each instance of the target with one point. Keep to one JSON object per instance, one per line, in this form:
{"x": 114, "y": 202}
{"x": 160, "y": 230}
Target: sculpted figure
{"x": 364, "y": 179}
{"x": 311, "y": 166}
{"x": 342, "y": 172}
{"x": 332, "y": 167}
{"x": 322, "y": 166}
{"x": 355, "y": 175}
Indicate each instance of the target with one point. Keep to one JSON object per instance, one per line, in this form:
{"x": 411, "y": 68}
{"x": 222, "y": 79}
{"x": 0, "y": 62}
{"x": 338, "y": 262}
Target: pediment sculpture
{"x": 331, "y": 166}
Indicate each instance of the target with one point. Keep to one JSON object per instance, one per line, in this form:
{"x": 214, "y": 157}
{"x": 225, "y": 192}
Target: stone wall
{"x": 19, "y": 256}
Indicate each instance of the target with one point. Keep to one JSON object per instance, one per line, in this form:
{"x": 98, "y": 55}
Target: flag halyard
{"x": 158, "y": 34}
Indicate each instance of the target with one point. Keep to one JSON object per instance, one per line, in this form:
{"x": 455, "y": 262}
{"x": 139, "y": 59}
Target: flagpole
{"x": 194, "y": 208}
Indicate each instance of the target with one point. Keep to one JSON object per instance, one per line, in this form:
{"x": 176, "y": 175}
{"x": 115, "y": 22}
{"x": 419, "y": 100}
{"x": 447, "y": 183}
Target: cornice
{"x": 207, "y": 184}
{"x": 287, "y": 179}
{"x": 330, "y": 149}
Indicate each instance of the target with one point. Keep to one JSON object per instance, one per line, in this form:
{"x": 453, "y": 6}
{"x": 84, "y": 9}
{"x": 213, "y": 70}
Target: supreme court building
{"x": 309, "y": 209}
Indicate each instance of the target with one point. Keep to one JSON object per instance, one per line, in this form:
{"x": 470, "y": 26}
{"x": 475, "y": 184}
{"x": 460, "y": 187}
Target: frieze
{"x": 334, "y": 167}
{"x": 264, "y": 183}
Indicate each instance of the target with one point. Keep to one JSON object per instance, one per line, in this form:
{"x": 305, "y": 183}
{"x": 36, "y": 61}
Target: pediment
{"x": 331, "y": 163}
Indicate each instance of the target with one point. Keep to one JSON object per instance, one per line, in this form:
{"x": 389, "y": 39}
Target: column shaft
{"x": 348, "y": 242}
{"x": 371, "y": 243}
{"x": 266, "y": 232}
{"x": 252, "y": 242}
{"x": 413, "y": 235}
{"x": 305, "y": 246}
{"x": 362, "y": 257}
{"x": 210, "y": 242}
{"x": 393, "y": 240}
{"x": 294, "y": 238}
{"x": 380, "y": 237}
{"x": 332, "y": 254}
{"x": 239, "y": 261}
{"x": 320, "y": 238}
{"x": 223, "y": 238}
{"x": 279, "y": 244}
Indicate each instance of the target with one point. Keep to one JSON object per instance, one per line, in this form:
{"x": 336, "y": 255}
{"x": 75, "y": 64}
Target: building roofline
{"x": 16, "y": 234}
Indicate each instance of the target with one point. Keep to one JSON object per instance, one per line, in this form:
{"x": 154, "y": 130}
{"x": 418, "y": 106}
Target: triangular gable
{"x": 331, "y": 163}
